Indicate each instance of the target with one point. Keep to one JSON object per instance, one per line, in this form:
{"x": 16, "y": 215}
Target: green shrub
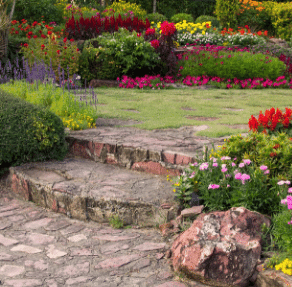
{"x": 225, "y": 65}
{"x": 226, "y": 11}
{"x": 123, "y": 53}
{"x": 281, "y": 20}
{"x": 282, "y": 231}
{"x": 206, "y": 18}
{"x": 180, "y": 17}
{"x": 28, "y": 133}
{"x": 156, "y": 17}
{"x": 34, "y": 10}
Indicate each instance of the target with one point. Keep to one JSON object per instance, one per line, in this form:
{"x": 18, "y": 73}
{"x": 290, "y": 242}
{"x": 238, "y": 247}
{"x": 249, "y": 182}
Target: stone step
{"x": 88, "y": 190}
{"x": 161, "y": 152}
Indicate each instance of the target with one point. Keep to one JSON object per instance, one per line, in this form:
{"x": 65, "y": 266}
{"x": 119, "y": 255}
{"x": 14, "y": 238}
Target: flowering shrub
{"x": 274, "y": 151}
{"x": 166, "y": 38}
{"x": 222, "y": 184}
{"x": 34, "y": 30}
{"x": 285, "y": 266}
{"x": 123, "y": 7}
{"x": 146, "y": 82}
{"x": 272, "y": 121}
{"x": 78, "y": 121}
{"x": 89, "y": 28}
{"x": 224, "y": 64}
{"x": 184, "y": 27}
{"x": 64, "y": 54}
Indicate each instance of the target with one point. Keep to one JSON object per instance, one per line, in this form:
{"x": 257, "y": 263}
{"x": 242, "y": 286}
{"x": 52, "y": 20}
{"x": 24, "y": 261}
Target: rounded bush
{"x": 180, "y": 17}
{"x": 28, "y": 133}
{"x": 156, "y": 17}
{"x": 206, "y": 18}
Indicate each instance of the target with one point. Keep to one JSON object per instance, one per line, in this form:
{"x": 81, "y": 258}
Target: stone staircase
{"x": 113, "y": 171}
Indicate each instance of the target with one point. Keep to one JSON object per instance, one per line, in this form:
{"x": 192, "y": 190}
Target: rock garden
{"x": 223, "y": 68}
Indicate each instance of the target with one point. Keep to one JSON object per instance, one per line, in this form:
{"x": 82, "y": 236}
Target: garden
{"x": 50, "y": 60}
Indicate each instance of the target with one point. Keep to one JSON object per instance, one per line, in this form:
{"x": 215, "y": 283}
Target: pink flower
{"x": 204, "y": 166}
{"x": 245, "y": 176}
{"x": 213, "y": 186}
{"x": 233, "y": 164}
{"x": 237, "y": 175}
{"x": 282, "y": 182}
{"x": 247, "y": 161}
{"x": 263, "y": 167}
{"x": 290, "y": 190}
{"x": 215, "y": 164}
{"x": 224, "y": 169}
{"x": 267, "y": 172}
{"x": 241, "y": 165}
{"x": 225, "y": 158}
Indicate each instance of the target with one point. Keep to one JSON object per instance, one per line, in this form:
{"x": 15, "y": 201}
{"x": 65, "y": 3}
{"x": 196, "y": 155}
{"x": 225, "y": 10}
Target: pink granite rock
{"x": 221, "y": 248}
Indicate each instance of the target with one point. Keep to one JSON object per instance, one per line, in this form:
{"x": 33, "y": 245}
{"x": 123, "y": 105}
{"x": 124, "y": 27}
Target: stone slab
{"x": 93, "y": 190}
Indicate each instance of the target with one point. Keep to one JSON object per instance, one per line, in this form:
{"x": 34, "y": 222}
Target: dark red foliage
{"x": 88, "y": 28}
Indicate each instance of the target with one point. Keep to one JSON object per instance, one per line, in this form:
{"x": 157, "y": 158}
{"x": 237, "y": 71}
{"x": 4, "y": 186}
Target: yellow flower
{"x": 174, "y": 190}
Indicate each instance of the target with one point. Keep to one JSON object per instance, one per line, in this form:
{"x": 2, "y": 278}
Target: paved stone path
{"x": 42, "y": 248}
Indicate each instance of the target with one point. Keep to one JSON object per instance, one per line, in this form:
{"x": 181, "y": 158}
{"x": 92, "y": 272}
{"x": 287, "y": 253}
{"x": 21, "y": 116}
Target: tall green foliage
{"x": 226, "y": 11}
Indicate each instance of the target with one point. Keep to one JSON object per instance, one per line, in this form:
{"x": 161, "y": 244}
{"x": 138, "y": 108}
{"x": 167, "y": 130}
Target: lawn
{"x": 221, "y": 110}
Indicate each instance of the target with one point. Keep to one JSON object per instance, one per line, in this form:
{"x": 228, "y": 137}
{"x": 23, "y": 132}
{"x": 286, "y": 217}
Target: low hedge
{"x": 28, "y": 133}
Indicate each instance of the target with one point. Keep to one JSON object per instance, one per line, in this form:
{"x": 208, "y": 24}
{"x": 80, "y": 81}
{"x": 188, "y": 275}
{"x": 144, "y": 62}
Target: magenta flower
{"x": 225, "y": 158}
{"x": 290, "y": 190}
{"x": 224, "y": 169}
{"x": 241, "y": 165}
{"x": 215, "y": 164}
{"x": 213, "y": 186}
{"x": 233, "y": 164}
{"x": 263, "y": 167}
{"x": 245, "y": 176}
{"x": 237, "y": 175}
{"x": 267, "y": 172}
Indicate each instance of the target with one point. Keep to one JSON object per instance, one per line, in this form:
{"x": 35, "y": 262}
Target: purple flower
{"x": 213, "y": 186}
{"x": 204, "y": 166}
{"x": 263, "y": 167}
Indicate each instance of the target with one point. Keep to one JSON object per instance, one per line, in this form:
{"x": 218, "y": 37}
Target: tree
{"x": 5, "y": 21}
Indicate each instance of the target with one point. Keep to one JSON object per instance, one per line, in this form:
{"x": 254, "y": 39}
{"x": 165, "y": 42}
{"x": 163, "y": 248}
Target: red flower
{"x": 200, "y": 64}
{"x": 16, "y": 32}
{"x": 43, "y": 36}
{"x": 246, "y": 27}
{"x": 167, "y": 29}
{"x": 43, "y": 46}
{"x": 50, "y": 32}
{"x": 35, "y": 36}
{"x": 58, "y": 52}
{"x": 259, "y": 33}
{"x": 150, "y": 31}
{"x": 25, "y": 45}
{"x": 266, "y": 33}
{"x": 46, "y": 53}
{"x": 29, "y": 33}
{"x": 65, "y": 40}
{"x": 276, "y": 146}
{"x": 71, "y": 40}
{"x": 273, "y": 154}
{"x": 28, "y": 37}
{"x": 155, "y": 43}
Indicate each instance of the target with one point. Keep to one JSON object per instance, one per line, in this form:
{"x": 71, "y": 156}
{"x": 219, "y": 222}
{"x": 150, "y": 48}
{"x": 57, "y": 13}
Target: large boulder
{"x": 221, "y": 248}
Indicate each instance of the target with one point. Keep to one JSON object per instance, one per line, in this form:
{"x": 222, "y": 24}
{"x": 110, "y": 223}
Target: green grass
{"x": 161, "y": 109}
